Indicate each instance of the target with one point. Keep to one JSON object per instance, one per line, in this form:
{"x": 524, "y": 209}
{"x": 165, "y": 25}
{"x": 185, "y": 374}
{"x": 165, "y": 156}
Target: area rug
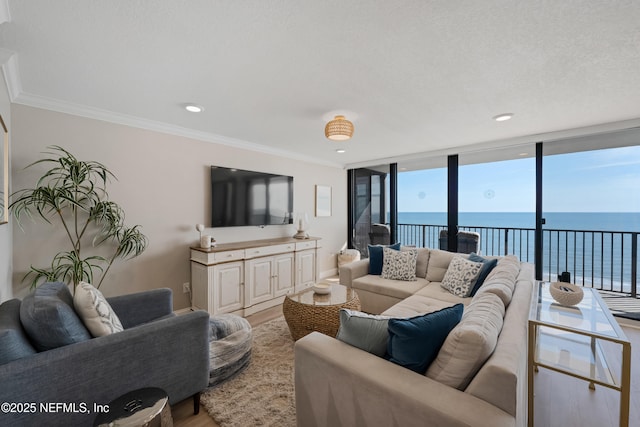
{"x": 261, "y": 395}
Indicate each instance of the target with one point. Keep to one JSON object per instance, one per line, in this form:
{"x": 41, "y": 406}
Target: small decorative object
{"x": 566, "y": 293}
{"x": 339, "y": 129}
{"x": 322, "y": 288}
{"x": 302, "y": 223}
{"x": 205, "y": 242}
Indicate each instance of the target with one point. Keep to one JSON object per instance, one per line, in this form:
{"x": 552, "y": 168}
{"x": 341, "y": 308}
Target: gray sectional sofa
{"x": 155, "y": 349}
{"x": 477, "y": 379}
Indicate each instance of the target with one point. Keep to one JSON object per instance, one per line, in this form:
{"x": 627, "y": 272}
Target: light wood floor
{"x": 560, "y": 400}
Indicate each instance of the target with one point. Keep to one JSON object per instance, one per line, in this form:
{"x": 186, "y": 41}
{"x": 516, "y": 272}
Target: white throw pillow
{"x": 399, "y": 265}
{"x": 95, "y": 311}
{"x": 461, "y": 276}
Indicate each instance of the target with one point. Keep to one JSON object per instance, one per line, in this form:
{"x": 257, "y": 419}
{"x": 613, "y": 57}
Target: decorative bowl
{"x": 566, "y": 293}
{"x": 322, "y": 288}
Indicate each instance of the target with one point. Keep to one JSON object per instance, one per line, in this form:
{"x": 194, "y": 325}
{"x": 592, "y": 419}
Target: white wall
{"x": 163, "y": 184}
{"x": 6, "y": 288}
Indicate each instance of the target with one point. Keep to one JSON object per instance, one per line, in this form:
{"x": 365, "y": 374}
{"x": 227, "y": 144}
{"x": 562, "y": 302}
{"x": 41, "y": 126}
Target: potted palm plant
{"x": 73, "y": 193}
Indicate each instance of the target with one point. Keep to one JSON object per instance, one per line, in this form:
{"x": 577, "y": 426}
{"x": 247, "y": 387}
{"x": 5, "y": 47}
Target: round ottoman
{"x": 229, "y": 347}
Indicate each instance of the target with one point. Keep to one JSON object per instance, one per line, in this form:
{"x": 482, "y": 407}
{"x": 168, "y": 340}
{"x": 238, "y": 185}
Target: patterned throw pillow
{"x": 461, "y": 276}
{"x": 399, "y": 265}
{"x": 95, "y": 311}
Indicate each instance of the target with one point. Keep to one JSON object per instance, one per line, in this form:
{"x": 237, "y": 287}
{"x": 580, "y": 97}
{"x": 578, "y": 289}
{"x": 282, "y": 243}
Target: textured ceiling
{"x": 413, "y": 76}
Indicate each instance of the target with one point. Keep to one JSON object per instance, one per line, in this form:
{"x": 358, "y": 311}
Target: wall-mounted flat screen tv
{"x": 241, "y": 197}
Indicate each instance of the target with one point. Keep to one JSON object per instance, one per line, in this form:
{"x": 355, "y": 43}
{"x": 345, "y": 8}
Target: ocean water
{"x": 596, "y": 248}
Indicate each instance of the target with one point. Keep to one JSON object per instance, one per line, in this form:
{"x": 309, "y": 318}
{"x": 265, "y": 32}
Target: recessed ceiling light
{"x": 341, "y": 150}
{"x": 193, "y": 108}
{"x": 503, "y": 117}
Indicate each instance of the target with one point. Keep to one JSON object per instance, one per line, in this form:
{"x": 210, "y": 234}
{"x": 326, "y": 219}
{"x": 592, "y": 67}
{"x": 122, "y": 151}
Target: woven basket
{"x": 564, "y": 297}
{"x": 303, "y": 319}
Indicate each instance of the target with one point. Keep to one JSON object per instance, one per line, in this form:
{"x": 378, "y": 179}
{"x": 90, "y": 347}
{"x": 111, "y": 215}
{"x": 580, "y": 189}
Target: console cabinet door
{"x": 283, "y": 282}
{"x": 259, "y": 280}
{"x": 305, "y": 269}
{"x": 228, "y": 282}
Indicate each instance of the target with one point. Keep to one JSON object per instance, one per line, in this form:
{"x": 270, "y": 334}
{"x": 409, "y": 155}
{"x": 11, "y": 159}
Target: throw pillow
{"x": 48, "y": 316}
{"x": 461, "y": 276}
{"x": 399, "y": 265}
{"x": 489, "y": 264}
{"x": 414, "y": 343}
{"x": 365, "y": 331}
{"x": 376, "y": 257}
{"x": 95, "y": 311}
{"x": 14, "y": 343}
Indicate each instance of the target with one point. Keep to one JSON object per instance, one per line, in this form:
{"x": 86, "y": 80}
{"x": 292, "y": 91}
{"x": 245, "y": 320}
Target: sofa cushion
{"x": 422, "y": 262}
{"x": 416, "y": 305}
{"x": 376, "y": 257}
{"x": 415, "y": 342}
{"x": 399, "y": 265}
{"x": 470, "y": 343}
{"x": 435, "y": 290}
{"x": 95, "y": 312}
{"x": 439, "y": 261}
{"x": 461, "y": 276}
{"x": 502, "y": 279}
{"x": 49, "y": 319}
{"x": 14, "y": 343}
{"x": 365, "y": 331}
{"x": 393, "y": 288}
{"x": 489, "y": 264}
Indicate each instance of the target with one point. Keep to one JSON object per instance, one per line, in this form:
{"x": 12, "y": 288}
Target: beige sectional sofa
{"x": 477, "y": 379}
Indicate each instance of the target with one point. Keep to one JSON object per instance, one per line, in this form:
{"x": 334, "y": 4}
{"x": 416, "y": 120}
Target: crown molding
{"x": 52, "y": 104}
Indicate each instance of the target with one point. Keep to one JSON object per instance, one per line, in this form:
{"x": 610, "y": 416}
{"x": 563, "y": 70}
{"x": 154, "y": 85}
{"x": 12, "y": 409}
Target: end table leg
{"x": 530, "y": 372}
{"x": 625, "y": 385}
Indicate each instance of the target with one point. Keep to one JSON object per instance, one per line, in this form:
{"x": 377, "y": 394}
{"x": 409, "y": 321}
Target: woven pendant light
{"x": 338, "y": 129}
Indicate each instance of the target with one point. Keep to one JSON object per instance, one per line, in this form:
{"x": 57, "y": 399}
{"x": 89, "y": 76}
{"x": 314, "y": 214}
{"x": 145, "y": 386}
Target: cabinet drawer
{"x": 269, "y": 250}
{"x": 210, "y": 258}
{"x": 305, "y": 245}
{"x": 228, "y": 256}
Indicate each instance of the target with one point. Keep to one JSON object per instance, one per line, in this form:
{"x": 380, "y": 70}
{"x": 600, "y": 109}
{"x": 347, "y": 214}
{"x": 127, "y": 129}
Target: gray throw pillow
{"x": 48, "y": 316}
{"x": 365, "y": 331}
{"x": 14, "y": 343}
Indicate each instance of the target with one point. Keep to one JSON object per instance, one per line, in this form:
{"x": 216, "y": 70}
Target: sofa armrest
{"x": 362, "y": 389}
{"x": 142, "y": 307}
{"x": 353, "y": 270}
{"x": 172, "y": 354}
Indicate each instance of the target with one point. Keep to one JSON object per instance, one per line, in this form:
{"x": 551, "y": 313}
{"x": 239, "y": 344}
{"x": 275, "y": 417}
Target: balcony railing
{"x": 605, "y": 260}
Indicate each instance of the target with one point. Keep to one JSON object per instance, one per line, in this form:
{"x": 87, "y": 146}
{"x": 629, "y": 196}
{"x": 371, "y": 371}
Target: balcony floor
{"x": 622, "y": 305}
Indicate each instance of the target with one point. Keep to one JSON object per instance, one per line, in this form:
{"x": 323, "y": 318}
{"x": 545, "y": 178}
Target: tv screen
{"x": 241, "y": 197}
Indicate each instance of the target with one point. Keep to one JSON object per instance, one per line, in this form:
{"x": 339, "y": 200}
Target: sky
{"x": 592, "y": 181}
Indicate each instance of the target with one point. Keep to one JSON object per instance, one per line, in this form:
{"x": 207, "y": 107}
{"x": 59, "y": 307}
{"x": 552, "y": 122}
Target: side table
{"x": 307, "y": 311}
{"x": 145, "y": 407}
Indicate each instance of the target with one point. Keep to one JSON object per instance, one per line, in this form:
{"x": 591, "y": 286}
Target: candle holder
{"x": 302, "y": 223}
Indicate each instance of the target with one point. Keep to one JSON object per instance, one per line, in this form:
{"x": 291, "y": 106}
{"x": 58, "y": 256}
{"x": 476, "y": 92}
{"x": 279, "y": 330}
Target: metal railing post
{"x": 634, "y": 264}
{"x": 506, "y": 241}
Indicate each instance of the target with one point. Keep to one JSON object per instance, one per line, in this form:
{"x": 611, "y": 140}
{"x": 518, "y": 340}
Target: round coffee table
{"x": 307, "y": 311}
{"x": 143, "y": 407}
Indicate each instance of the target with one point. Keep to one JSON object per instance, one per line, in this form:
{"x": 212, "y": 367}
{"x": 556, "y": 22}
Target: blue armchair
{"x": 156, "y": 349}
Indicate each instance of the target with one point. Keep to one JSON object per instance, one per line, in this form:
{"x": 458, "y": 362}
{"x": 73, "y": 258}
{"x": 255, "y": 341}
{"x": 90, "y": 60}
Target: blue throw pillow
{"x": 414, "y": 343}
{"x": 489, "y": 264}
{"x": 376, "y": 257}
{"x": 48, "y": 317}
{"x": 14, "y": 343}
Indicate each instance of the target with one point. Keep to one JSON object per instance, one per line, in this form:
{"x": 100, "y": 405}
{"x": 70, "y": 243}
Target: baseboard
{"x": 183, "y": 310}
{"x": 328, "y": 273}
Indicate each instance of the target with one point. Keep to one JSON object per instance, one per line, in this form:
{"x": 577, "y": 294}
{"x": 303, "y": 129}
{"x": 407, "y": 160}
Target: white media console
{"x": 246, "y": 277}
